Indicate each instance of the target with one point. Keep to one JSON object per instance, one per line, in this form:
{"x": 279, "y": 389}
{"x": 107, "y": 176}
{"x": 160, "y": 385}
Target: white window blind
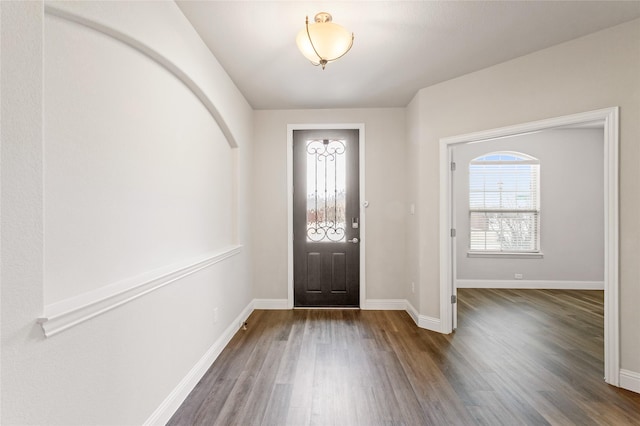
{"x": 504, "y": 203}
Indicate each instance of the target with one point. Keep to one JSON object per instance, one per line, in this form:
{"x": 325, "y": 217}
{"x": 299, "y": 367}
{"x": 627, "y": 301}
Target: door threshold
{"x": 341, "y": 308}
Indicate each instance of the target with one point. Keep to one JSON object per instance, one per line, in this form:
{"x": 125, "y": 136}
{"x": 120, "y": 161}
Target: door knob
{"x": 354, "y": 240}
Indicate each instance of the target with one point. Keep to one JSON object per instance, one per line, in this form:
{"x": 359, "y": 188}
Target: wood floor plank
{"x": 531, "y": 357}
{"x": 278, "y": 407}
{"x": 263, "y": 385}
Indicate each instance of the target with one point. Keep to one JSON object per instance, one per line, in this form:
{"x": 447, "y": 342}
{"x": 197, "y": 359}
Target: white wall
{"x": 571, "y": 212}
{"x": 136, "y": 178}
{"x": 384, "y": 185}
{"x": 596, "y": 71}
{"x": 117, "y": 161}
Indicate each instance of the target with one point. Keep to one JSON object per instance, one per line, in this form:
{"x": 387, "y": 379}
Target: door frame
{"x": 362, "y": 203}
{"x": 611, "y": 222}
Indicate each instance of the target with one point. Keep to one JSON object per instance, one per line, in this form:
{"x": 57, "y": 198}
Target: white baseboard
{"x": 423, "y": 321}
{"x": 630, "y": 380}
{"x": 430, "y": 323}
{"x": 172, "y": 402}
{"x": 532, "y": 284}
{"x": 270, "y": 304}
{"x": 413, "y": 313}
{"x": 384, "y": 305}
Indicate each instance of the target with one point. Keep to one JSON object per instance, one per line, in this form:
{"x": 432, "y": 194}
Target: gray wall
{"x": 571, "y": 208}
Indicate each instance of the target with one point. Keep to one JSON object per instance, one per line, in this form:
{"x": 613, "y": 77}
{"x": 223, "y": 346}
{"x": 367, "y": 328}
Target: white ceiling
{"x": 399, "y": 48}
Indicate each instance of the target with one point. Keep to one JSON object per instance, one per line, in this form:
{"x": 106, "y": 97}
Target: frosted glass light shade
{"x": 331, "y": 41}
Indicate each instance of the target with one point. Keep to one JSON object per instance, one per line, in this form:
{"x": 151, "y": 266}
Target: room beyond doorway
{"x": 609, "y": 119}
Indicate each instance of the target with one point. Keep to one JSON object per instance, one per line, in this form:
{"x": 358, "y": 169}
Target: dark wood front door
{"x": 326, "y": 218}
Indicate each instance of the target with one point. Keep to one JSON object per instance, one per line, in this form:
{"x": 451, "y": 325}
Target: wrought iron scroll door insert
{"x": 326, "y": 190}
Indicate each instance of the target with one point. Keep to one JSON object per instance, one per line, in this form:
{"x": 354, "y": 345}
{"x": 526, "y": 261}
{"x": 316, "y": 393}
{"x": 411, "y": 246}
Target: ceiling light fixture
{"x": 324, "y": 41}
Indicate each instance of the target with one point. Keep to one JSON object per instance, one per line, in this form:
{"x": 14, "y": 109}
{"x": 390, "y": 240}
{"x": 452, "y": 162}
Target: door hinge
{"x": 454, "y": 298}
{"x": 453, "y": 232}
{"x": 453, "y": 166}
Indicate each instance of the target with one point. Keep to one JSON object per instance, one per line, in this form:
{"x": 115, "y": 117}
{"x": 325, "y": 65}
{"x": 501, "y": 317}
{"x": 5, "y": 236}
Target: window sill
{"x": 505, "y": 255}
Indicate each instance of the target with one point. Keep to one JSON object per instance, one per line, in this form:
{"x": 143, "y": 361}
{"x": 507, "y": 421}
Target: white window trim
{"x": 522, "y": 158}
{"x": 507, "y": 254}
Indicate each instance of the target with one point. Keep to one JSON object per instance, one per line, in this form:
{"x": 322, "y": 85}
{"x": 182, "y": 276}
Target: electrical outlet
{"x": 518, "y": 276}
{"x": 215, "y": 315}
{"x": 413, "y": 287}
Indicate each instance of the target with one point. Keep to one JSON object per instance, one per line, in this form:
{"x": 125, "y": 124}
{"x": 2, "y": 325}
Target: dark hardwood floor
{"x": 530, "y": 357}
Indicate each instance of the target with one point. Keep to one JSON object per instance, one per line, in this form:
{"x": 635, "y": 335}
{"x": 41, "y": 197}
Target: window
{"x": 504, "y": 203}
{"x": 326, "y": 190}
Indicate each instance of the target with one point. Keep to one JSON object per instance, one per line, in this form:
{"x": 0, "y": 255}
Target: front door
{"x": 326, "y": 218}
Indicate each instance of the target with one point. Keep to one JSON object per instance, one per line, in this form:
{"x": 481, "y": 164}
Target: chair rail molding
{"x": 67, "y": 313}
